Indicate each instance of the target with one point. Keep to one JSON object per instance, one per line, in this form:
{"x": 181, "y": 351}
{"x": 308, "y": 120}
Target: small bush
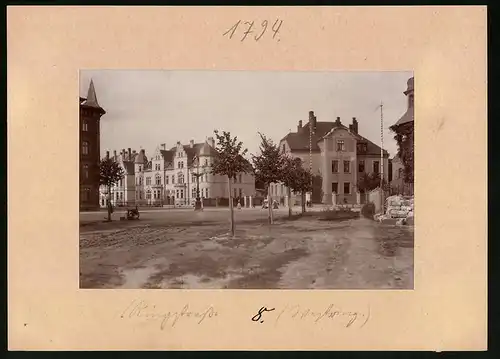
{"x": 368, "y": 210}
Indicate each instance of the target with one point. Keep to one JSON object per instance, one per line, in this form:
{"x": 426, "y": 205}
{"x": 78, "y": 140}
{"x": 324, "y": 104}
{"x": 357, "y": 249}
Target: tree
{"x": 290, "y": 176}
{"x": 229, "y": 161}
{"x": 369, "y": 181}
{"x": 110, "y": 172}
{"x": 304, "y": 184}
{"x": 268, "y": 167}
{"x": 404, "y": 139}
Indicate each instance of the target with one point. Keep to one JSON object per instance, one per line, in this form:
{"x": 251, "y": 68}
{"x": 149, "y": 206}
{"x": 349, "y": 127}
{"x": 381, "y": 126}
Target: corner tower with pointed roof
{"x": 90, "y": 148}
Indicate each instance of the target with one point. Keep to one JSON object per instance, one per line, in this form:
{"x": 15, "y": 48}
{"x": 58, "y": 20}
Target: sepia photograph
{"x": 246, "y": 179}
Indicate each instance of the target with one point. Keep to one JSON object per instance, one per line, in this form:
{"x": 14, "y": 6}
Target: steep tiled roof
{"x": 195, "y": 150}
{"x": 300, "y": 141}
{"x": 407, "y": 117}
{"x": 167, "y": 155}
{"x": 141, "y": 157}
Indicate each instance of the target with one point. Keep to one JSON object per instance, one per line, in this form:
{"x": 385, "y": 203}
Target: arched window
{"x": 86, "y": 171}
{"x": 158, "y": 179}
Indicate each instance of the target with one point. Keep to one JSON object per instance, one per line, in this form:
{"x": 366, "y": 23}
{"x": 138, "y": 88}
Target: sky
{"x": 145, "y": 108}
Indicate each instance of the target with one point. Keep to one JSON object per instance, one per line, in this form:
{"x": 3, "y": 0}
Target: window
{"x": 148, "y": 194}
{"x": 86, "y": 171}
{"x": 400, "y": 173}
{"x": 206, "y": 193}
{"x": 177, "y": 194}
{"x": 154, "y": 194}
{"x": 193, "y": 178}
{"x": 85, "y": 125}
{"x": 180, "y": 178}
{"x": 376, "y": 165}
{"x": 85, "y": 148}
{"x": 335, "y": 187}
{"x": 158, "y": 179}
{"x": 117, "y": 196}
{"x": 361, "y": 147}
{"x": 240, "y": 192}
{"x": 173, "y": 179}
{"x": 121, "y": 195}
{"x": 182, "y": 193}
{"x": 335, "y": 166}
{"x": 206, "y": 162}
{"x": 340, "y": 145}
{"x": 148, "y": 181}
{"x": 166, "y": 179}
{"x": 347, "y": 166}
{"x": 193, "y": 192}
{"x": 361, "y": 166}
{"x": 140, "y": 195}
{"x": 347, "y": 188}
{"x": 140, "y": 168}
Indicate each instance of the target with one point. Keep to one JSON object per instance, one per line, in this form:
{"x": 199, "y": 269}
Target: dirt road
{"x": 193, "y": 250}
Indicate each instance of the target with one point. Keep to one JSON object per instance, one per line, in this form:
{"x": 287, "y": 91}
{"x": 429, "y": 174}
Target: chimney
{"x": 299, "y": 126}
{"x": 354, "y": 125}
{"x": 191, "y": 143}
{"x": 134, "y": 152}
{"x": 163, "y": 146}
{"x": 338, "y": 121}
{"x": 107, "y": 155}
{"x": 211, "y": 141}
{"x": 143, "y": 151}
{"x": 114, "y": 154}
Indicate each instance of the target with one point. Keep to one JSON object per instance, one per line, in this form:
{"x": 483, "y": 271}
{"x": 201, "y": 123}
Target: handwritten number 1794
{"x": 251, "y": 28}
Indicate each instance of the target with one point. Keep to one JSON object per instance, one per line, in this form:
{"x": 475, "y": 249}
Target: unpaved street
{"x": 187, "y": 249}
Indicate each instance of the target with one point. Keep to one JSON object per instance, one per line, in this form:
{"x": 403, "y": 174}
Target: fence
{"x": 207, "y": 202}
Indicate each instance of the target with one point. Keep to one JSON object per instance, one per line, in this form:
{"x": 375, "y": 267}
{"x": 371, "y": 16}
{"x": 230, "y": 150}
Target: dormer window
{"x": 340, "y": 145}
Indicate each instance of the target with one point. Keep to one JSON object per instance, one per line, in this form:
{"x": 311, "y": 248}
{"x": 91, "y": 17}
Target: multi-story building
{"x": 90, "y": 115}
{"x": 338, "y": 154}
{"x": 123, "y": 192}
{"x": 404, "y": 127}
{"x": 170, "y": 177}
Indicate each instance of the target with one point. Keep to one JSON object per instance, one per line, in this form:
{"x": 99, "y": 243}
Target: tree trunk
{"x": 231, "y": 205}
{"x": 303, "y": 200}
{"x": 289, "y": 202}
{"x": 269, "y": 204}
{"x": 109, "y": 203}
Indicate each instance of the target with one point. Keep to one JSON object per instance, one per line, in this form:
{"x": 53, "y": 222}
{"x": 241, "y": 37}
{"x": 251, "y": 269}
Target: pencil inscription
{"x": 246, "y": 28}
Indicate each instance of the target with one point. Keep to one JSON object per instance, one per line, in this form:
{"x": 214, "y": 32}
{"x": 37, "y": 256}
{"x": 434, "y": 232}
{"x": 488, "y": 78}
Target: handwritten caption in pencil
{"x": 140, "y": 309}
{"x": 244, "y": 30}
{"x": 298, "y": 313}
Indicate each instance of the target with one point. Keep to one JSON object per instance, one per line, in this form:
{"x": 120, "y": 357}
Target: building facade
{"x": 123, "y": 192}
{"x": 402, "y": 183}
{"x": 90, "y": 147}
{"x": 339, "y": 155}
{"x": 172, "y": 176}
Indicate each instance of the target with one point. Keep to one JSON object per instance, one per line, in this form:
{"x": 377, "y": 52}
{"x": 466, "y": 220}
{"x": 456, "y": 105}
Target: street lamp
{"x": 197, "y": 204}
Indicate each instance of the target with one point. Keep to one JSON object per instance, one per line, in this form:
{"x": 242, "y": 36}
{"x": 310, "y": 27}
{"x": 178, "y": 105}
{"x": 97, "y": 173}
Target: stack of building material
{"x": 399, "y": 209}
